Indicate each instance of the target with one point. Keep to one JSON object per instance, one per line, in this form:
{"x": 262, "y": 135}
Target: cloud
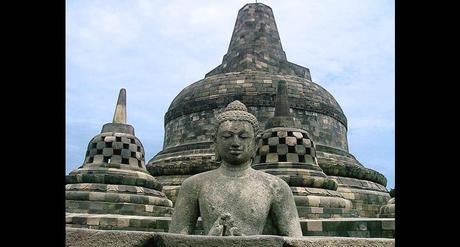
{"x": 156, "y": 48}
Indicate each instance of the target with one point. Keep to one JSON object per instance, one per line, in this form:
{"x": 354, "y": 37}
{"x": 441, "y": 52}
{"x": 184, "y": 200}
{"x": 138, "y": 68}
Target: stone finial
{"x": 281, "y": 102}
{"x": 282, "y": 116}
{"x": 118, "y": 123}
{"x": 120, "y": 110}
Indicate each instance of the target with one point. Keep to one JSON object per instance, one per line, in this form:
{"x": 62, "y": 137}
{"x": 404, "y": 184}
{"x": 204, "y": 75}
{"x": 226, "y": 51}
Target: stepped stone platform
{"x": 339, "y": 227}
{"x": 90, "y": 238}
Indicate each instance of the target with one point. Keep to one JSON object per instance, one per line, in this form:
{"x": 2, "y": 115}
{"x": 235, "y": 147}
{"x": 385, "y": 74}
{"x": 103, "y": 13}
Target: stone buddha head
{"x": 236, "y": 132}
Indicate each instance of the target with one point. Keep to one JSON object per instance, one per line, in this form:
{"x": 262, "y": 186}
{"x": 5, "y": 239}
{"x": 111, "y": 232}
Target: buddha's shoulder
{"x": 270, "y": 179}
{"x": 198, "y": 178}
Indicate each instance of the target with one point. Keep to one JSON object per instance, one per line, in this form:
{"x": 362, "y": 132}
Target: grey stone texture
{"x": 113, "y": 178}
{"x": 337, "y": 227}
{"x": 250, "y": 71}
{"x": 235, "y": 199}
{"x": 388, "y": 211}
{"x": 90, "y": 238}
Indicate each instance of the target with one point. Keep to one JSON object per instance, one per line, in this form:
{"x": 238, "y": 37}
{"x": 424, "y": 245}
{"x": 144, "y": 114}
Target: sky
{"x": 156, "y": 48}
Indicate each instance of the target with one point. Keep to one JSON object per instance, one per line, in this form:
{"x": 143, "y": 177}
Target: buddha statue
{"x": 235, "y": 199}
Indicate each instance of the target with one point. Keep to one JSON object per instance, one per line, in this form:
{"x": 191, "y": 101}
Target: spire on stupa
{"x": 282, "y": 117}
{"x": 120, "y": 110}
{"x": 119, "y": 123}
{"x": 256, "y": 45}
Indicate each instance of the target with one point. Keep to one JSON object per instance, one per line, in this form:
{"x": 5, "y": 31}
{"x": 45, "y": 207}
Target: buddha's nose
{"x": 236, "y": 142}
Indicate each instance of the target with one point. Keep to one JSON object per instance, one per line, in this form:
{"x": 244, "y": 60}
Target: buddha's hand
{"x": 216, "y": 229}
{"x": 224, "y": 226}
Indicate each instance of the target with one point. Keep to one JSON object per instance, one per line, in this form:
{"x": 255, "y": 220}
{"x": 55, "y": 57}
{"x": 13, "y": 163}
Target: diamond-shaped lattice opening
{"x": 301, "y": 158}
{"x": 263, "y": 158}
{"x": 282, "y": 158}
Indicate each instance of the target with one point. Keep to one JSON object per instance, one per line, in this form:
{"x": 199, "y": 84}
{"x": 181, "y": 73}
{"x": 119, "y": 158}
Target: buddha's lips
{"x": 235, "y": 151}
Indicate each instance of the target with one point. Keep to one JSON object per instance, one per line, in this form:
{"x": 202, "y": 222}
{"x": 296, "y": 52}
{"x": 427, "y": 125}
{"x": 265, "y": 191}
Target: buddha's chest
{"x": 247, "y": 201}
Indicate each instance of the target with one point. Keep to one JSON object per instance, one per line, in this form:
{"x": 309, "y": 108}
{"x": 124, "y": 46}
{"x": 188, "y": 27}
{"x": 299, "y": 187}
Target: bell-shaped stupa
{"x": 112, "y": 189}
{"x": 287, "y": 151}
{"x": 249, "y": 72}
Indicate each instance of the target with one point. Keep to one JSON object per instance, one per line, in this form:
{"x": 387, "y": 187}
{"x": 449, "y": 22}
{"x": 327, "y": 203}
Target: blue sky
{"x": 156, "y": 48}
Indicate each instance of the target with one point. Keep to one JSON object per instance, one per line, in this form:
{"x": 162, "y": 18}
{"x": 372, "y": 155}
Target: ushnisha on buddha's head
{"x": 235, "y": 135}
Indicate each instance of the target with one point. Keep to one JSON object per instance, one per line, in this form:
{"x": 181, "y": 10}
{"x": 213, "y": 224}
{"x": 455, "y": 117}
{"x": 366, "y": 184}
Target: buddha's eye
{"x": 226, "y": 135}
{"x": 244, "y": 136}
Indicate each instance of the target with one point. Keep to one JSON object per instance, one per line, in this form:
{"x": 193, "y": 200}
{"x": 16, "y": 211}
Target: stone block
{"x": 272, "y": 141}
{"x": 98, "y": 158}
{"x": 123, "y": 222}
{"x": 263, "y": 150}
{"x": 388, "y": 225}
{"x": 282, "y": 133}
{"x": 109, "y": 139}
{"x": 125, "y": 153}
{"x": 107, "y": 152}
{"x": 315, "y": 226}
{"x": 92, "y": 221}
{"x": 309, "y": 159}
{"x": 97, "y": 196}
{"x": 292, "y": 157}
{"x": 116, "y": 159}
{"x": 117, "y": 145}
{"x": 300, "y": 149}
{"x": 133, "y": 162}
{"x": 133, "y": 147}
{"x": 291, "y": 141}
{"x": 100, "y": 145}
{"x": 306, "y": 142}
{"x": 297, "y": 135}
{"x": 271, "y": 158}
{"x": 281, "y": 149}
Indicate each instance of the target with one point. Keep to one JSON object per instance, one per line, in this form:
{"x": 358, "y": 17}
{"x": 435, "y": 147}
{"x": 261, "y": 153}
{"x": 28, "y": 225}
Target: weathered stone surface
{"x": 90, "y": 238}
{"x": 337, "y": 241}
{"x": 337, "y": 227}
{"x": 250, "y": 71}
{"x": 235, "y": 199}
{"x": 113, "y": 179}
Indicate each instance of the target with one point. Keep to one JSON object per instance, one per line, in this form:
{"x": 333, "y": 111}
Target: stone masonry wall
{"x": 199, "y": 127}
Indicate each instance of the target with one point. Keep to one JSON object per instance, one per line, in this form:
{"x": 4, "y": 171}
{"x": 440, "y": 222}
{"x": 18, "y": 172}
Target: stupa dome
{"x": 250, "y": 71}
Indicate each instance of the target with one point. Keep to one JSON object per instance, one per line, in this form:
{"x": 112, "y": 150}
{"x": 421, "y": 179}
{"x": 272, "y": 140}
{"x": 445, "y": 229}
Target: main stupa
{"x": 250, "y": 71}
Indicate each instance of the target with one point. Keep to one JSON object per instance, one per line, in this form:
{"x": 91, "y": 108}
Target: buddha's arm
{"x": 186, "y": 209}
{"x": 284, "y": 212}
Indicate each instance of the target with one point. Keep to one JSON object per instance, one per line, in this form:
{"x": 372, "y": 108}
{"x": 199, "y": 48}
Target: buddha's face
{"x": 235, "y": 142}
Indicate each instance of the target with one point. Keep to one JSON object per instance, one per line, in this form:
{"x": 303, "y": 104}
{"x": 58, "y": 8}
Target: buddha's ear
{"x": 257, "y": 139}
{"x": 217, "y": 155}
{"x": 256, "y": 146}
